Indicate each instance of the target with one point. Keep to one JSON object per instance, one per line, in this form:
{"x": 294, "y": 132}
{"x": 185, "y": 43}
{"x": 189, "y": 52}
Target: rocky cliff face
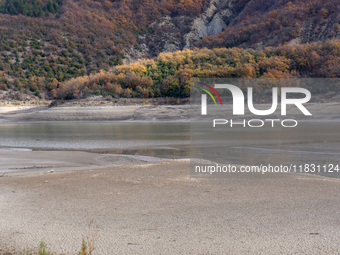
{"x": 213, "y": 21}
{"x": 312, "y": 31}
{"x": 170, "y": 34}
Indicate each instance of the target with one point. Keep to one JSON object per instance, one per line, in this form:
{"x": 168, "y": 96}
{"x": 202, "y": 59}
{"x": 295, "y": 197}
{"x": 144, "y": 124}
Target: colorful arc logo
{"x": 213, "y": 90}
{"x": 204, "y": 98}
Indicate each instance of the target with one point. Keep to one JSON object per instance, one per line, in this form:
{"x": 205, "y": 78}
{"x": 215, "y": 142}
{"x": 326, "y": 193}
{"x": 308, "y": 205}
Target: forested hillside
{"x": 61, "y": 39}
{"x": 169, "y": 74}
{"x": 275, "y": 22}
{"x": 45, "y": 45}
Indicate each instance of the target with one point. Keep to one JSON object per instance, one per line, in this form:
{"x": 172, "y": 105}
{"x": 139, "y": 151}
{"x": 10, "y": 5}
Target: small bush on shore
{"x": 44, "y": 250}
{"x": 53, "y": 104}
{"x": 83, "y": 250}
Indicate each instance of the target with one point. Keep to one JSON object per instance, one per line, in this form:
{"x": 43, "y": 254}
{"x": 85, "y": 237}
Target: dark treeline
{"x": 31, "y": 8}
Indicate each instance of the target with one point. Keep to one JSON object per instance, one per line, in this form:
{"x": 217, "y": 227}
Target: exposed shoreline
{"x": 141, "y": 206}
{"x": 99, "y": 113}
{"x": 149, "y": 113}
{"x": 23, "y": 162}
{"x": 156, "y": 208}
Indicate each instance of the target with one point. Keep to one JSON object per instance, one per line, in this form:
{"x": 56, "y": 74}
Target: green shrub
{"x": 44, "y": 250}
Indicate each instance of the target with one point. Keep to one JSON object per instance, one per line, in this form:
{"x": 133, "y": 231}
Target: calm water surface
{"x": 309, "y": 143}
{"x": 151, "y": 139}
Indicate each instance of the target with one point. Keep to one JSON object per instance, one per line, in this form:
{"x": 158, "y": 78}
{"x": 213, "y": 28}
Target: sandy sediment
{"x": 99, "y": 113}
{"x": 22, "y": 161}
{"x": 143, "y": 207}
{"x": 319, "y": 111}
{"x": 156, "y": 208}
{"x": 14, "y": 109}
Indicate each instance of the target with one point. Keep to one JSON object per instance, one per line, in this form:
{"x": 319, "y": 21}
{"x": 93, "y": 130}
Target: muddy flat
{"x": 156, "y": 208}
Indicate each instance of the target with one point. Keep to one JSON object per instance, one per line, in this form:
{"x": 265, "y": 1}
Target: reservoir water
{"x": 151, "y": 139}
{"x": 310, "y": 142}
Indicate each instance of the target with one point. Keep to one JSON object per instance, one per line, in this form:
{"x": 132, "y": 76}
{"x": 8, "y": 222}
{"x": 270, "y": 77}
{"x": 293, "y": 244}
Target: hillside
{"x": 44, "y": 44}
{"x": 264, "y": 23}
{"x": 74, "y": 38}
{"x": 169, "y": 74}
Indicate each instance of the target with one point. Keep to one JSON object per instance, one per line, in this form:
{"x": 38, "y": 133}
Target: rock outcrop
{"x": 173, "y": 33}
{"x": 170, "y": 34}
{"x": 212, "y": 21}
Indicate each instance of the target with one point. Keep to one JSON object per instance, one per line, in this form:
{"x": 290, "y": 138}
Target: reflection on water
{"x": 176, "y": 151}
{"x": 317, "y": 143}
{"x": 308, "y": 143}
{"x": 151, "y": 139}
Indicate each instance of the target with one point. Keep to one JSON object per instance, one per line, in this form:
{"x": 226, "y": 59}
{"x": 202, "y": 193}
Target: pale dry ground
{"x": 319, "y": 111}
{"x": 14, "y": 108}
{"x": 19, "y": 161}
{"x": 156, "y": 208}
{"x": 99, "y": 113}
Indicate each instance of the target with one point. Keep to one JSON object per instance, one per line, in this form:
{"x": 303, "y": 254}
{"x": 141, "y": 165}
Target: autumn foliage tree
{"x": 169, "y": 74}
